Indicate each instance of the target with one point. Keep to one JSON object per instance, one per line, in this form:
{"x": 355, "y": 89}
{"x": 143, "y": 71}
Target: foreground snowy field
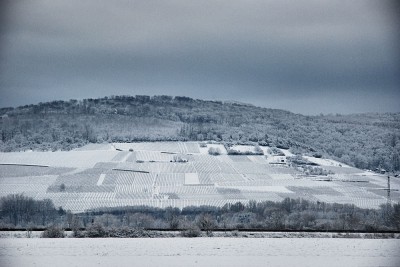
{"x": 199, "y": 252}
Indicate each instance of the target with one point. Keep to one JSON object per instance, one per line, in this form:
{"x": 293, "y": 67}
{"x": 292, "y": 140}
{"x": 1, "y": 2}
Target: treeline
{"x": 18, "y": 211}
{"x": 365, "y": 141}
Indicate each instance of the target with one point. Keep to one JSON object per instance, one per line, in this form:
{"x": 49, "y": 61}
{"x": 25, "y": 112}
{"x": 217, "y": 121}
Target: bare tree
{"x": 206, "y": 222}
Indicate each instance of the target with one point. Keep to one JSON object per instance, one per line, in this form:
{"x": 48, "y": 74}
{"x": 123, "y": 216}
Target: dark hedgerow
{"x": 193, "y": 231}
{"x": 53, "y": 232}
{"x": 96, "y": 230}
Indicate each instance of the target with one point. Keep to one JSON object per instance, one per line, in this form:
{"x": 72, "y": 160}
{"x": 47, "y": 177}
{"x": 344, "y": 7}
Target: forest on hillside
{"x": 366, "y": 141}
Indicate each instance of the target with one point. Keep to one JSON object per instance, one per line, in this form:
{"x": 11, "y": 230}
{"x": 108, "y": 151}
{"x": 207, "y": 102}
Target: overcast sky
{"x": 308, "y": 57}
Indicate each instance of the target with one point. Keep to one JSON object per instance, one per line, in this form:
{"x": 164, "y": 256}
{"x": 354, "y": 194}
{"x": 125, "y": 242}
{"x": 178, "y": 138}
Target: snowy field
{"x": 199, "y": 252}
{"x": 121, "y": 174}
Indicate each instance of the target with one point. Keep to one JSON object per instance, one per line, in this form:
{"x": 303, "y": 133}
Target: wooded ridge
{"x": 366, "y": 141}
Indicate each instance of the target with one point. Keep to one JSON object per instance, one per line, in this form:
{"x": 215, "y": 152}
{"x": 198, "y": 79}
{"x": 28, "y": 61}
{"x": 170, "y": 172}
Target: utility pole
{"x": 389, "y": 201}
{"x": 388, "y": 197}
{"x": 388, "y": 189}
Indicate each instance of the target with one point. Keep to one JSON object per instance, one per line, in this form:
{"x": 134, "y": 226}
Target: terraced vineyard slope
{"x": 180, "y": 174}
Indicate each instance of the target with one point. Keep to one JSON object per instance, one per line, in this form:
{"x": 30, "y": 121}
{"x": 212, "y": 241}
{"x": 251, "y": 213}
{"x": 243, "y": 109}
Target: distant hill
{"x": 365, "y": 141}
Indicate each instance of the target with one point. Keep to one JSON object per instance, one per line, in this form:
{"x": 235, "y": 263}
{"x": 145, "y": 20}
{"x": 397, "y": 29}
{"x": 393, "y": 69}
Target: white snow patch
{"x": 101, "y": 179}
{"x": 90, "y": 147}
{"x": 267, "y": 188}
{"x": 257, "y": 159}
{"x": 75, "y": 159}
{"x": 204, "y": 150}
{"x": 243, "y": 148}
{"x": 281, "y": 176}
{"x": 276, "y": 160}
{"x": 287, "y": 152}
{"x": 326, "y": 162}
{"x": 191, "y": 179}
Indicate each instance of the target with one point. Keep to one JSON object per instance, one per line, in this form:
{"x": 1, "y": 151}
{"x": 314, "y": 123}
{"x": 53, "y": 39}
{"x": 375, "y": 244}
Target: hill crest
{"x": 366, "y": 141}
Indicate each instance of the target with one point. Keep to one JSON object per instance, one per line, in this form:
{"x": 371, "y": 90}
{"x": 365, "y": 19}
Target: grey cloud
{"x": 265, "y": 52}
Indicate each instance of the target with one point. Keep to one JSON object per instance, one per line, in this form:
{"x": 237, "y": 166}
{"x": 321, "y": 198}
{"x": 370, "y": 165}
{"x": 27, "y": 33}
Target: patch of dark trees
{"x": 21, "y": 212}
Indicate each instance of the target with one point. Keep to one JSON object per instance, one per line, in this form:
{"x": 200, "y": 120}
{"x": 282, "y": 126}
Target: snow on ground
{"x": 204, "y": 150}
{"x": 167, "y": 147}
{"x": 326, "y": 162}
{"x": 199, "y": 252}
{"x": 191, "y": 179}
{"x": 279, "y": 189}
{"x": 243, "y": 148}
{"x": 74, "y": 159}
{"x": 93, "y": 179}
{"x": 101, "y": 179}
{"x": 287, "y": 152}
{"x": 89, "y": 147}
{"x": 276, "y": 159}
{"x": 265, "y": 150}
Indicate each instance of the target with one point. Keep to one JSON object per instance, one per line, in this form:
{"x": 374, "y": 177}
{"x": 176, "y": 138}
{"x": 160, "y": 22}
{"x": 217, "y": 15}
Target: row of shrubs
{"x": 97, "y": 231}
